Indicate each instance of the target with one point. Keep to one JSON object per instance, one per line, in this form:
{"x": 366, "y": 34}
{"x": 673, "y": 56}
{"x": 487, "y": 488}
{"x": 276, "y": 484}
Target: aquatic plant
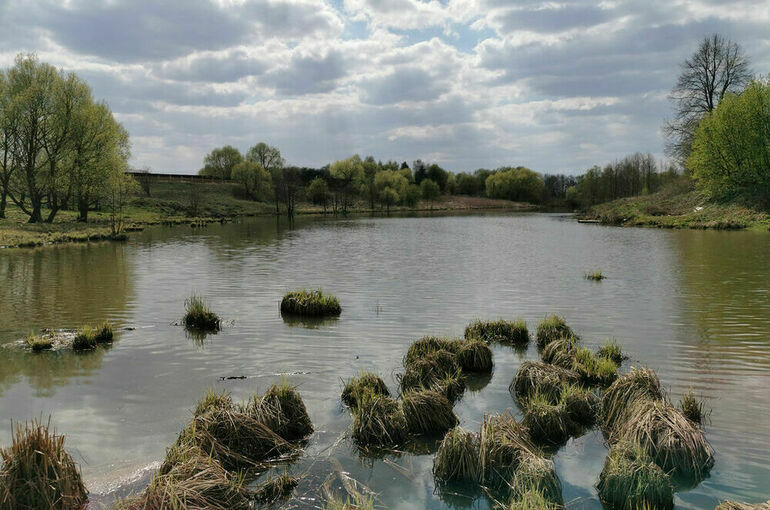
{"x": 474, "y": 356}
{"x": 501, "y": 331}
{"x": 547, "y": 422}
{"x": 595, "y": 276}
{"x": 631, "y": 480}
{"x": 38, "y": 343}
{"x": 593, "y": 370}
{"x": 85, "y": 339}
{"x": 428, "y": 345}
{"x": 552, "y": 328}
{"x": 543, "y": 378}
{"x": 212, "y": 401}
{"x": 275, "y": 488}
{"x": 103, "y": 333}
{"x": 378, "y": 421}
{"x": 199, "y": 316}
{"x": 457, "y": 458}
{"x": 358, "y": 502}
{"x": 675, "y": 443}
{"x": 437, "y": 370}
{"x": 37, "y": 472}
{"x": 533, "y": 500}
{"x": 282, "y": 409}
{"x": 536, "y": 474}
{"x": 502, "y": 444}
{"x": 560, "y": 352}
{"x": 310, "y": 302}
{"x": 620, "y": 398}
{"x": 692, "y": 408}
{"x": 357, "y": 385}
{"x": 427, "y": 412}
{"x": 611, "y": 350}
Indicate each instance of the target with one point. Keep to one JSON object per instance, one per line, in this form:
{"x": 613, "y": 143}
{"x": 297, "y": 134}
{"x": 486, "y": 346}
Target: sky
{"x": 554, "y": 86}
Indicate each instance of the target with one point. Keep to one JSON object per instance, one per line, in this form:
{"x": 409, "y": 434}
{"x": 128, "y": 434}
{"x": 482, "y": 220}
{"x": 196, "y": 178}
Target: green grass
{"x": 693, "y": 408}
{"x": 199, "y": 316}
{"x": 611, "y": 350}
{"x": 365, "y": 381}
{"x": 37, "y": 471}
{"x": 501, "y": 331}
{"x": 212, "y": 401}
{"x": 547, "y": 421}
{"x": 595, "y": 276}
{"x": 85, "y": 339}
{"x": 594, "y": 370}
{"x": 313, "y": 303}
{"x": 457, "y": 458}
{"x": 552, "y": 328}
{"x": 631, "y": 480}
{"x": 39, "y": 343}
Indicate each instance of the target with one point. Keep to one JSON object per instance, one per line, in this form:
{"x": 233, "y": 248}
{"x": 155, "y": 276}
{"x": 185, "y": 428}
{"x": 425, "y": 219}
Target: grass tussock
{"x": 547, "y": 421}
{"x": 37, "y": 472}
{"x": 427, "y": 412}
{"x": 619, "y": 400}
{"x": 533, "y": 500}
{"x": 281, "y": 408}
{"x": 213, "y": 401}
{"x": 693, "y": 409}
{"x": 457, "y": 458}
{"x": 38, "y": 343}
{"x": 611, "y": 350}
{"x": 542, "y": 378}
{"x": 85, "y": 339}
{"x": 536, "y": 474}
{"x": 437, "y": 370}
{"x": 378, "y": 421}
{"x": 275, "y": 489}
{"x": 358, "y": 502}
{"x": 734, "y": 505}
{"x": 475, "y": 356}
{"x": 429, "y": 345}
{"x": 104, "y": 333}
{"x": 552, "y": 328}
{"x": 631, "y": 480}
{"x": 595, "y": 276}
{"x": 365, "y": 381}
{"x": 312, "y": 303}
{"x": 199, "y": 316}
{"x": 582, "y": 406}
{"x": 594, "y": 370}
{"x": 675, "y": 443}
{"x": 501, "y": 331}
{"x": 560, "y": 352}
{"x": 503, "y": 443}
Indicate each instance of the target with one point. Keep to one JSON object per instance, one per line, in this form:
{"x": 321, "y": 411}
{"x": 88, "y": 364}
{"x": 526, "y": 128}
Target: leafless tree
{"x": 717, "y": 67}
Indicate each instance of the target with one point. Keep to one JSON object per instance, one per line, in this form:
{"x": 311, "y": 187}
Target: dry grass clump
{"x": 560, "y": 352}
{"x": 212, "y": 401}
{"x": 501, "y": 331}
{"x": 533, "y": 500}
{"x": 536, "y": 475}
{"x": 85, "y": 339}
{"x": 103, "y": 333}
{"x": 693, "y": 408}
{"x": 38, "y": 343}
{"x": 282, "y": 409}
{"x": 502, "y": 445}
{"x": 457, "y": 458}
{"x": 474, "y": 356}
{"x": 311, "y": 303}
{"x": 611, "y": 350}
{"x": 619, "y": 399}
{"x": 199, "y": 316}
{"x": 378, "y": 421}
{"x": 427, "y": 412}
{"x": 675, "y": 443}
{"x": 631, "y": 480}
{"x": 594, "y": 370}
{"x": 275, "y": 489}
{"x": 543, "y": 378}
{"x": 734, "y": 505}
{"x": 552, "y": 328}
{"x": 428, "y": 345}
{"x": 365, "y": 381}
{"x": 37, "y": 472}
{"x": 546, "y": 420}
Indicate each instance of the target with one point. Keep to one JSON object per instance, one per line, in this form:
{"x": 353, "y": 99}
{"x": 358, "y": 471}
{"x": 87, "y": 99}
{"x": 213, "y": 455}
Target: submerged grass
{"x": 85, "y": 339}
{"x": 363, "y": 382}
{"x": 427, "y": 412}
{"x": 457, "y": 458}
{"x": 694, "y": 409}
{"x": 38, "y": 343}
{"x": 199, "y": 316}
{"x": 631, "y": 480}
{"x": 501, "y": 331}
{"x": 37, "y": 472}
{"x": 275, "y": 489}
{"x": 378, "y": 421}
{"x": 311, "y": 303}
{"x": 552, "y": 328}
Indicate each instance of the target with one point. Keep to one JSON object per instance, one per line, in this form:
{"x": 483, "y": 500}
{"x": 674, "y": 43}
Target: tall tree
{"x": 267, "y": 156}
{"x": 347, "y": 172}
{"x": 717, "y": 67}
{"x": 219, "y": 163}
{"x": 7, "y": 140}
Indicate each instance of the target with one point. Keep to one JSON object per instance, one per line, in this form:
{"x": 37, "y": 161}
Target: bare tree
{"x": 717, "y": 67}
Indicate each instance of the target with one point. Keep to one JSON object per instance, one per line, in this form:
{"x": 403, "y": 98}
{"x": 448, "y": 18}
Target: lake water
{"x": 693, "y": 305}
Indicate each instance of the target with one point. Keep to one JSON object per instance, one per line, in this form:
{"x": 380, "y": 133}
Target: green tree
{"x": 253, "y": 178}
{"x": 347, "y": 172}
{"x": 219, "y": 163}
{"x": 7, "y": 138}
{"x": 370, "y": 169}
{"x": 318, "y": 192}
{"x": 411, "y": 195}
{"x": 120, "y": 187}
{"x": 731, "y": 150}
{"x": 430, "y": 191}
{"x": 266, "y": 156}
{"x": 519, "y": 184}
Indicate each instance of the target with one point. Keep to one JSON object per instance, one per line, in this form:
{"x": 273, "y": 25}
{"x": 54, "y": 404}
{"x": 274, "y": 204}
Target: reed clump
{"x": 281, "y": 408}
{"x": 501, "y": 331}
{"x": 631, "y": 480}
{"x": 503, "y": 443}
{"x": 213, "y": 401}
{"x": 560, "y": 352}
{"x": 693, "y": 408}
{"x": 85, "y": 339}
{"x": 437, "y": 370}
{"x": 457, "y": 458}
{"x": 546, "y": 420}
{"x": 536, "y": 474}
{"x": 378, "y": 421}
{"x": 103, "y": 333}
{"x": 619, "y": 400}
{"x": 552, "y": 328}
{"x": 533, "y": 500}
{"x": 39, "y": 342}
{"x": 595, "y": 276}
{"x": 611, "y": 350}
{"x": 594, "y": 370}
{"x": 312, "y": 303}
{"x": 37, "y": 472}
{"x": 429, "y": 345}
{"x": 275, "y": 489}
{"x": 543, "y": 378}
{"x": 199, "y": 316}
{"x": 474, "y": 356}
{"x": 427, "y": 412}
{"x": 582, "y": 406}
{"x": 365, "y": 381}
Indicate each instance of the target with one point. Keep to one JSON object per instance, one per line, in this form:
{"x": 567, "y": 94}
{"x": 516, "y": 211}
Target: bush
{"x": 631, "y": 480}
{"x": 457, "y": 458}
{"x": 310, "y": 302}
{"x": 199, "y": 316}
{"x": 85, "y": 339}
{"x": 552, "y": 328}
{"x": 519, "y": 184}
{"x": 502, "y": 331}
{"x": 364, "y": 382}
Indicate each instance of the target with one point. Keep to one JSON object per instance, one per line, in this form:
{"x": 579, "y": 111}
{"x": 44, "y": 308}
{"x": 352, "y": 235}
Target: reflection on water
{"x": 693, "y": 305}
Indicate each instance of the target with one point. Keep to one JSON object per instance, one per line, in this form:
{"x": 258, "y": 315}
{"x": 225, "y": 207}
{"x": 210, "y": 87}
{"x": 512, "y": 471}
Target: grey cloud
{"x": 219, "y": 69}
{"x": 308, "y": 74}
{"x": 403, "y": 84}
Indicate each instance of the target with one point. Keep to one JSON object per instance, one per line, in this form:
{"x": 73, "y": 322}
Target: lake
{"x": 693, "y": 305}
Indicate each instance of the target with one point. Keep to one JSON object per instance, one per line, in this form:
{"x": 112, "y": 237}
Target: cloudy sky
{"x": 556, "y": 86}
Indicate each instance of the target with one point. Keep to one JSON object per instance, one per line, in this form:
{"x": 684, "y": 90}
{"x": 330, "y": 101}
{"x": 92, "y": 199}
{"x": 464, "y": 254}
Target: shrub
{"x": 39, "y": 343}
{"x": 378, "y": 421}
{"x": 502, "y": 331}
{"x": 631, "y": 480}
{"x": 357, "y": 385}
{"x": 275, "y": 489}
{"x": 427, "y": 412}
{"x": 536, "y": 474}
{"x": 552, "y": 328}
{"x": 85, "y": 339}
{"x": 282, "y": 409}
{"x": 103, "y": 333}
{"x": 37, "y": 472}
{"x": 310, "y": 302}
{"x": 502, "y": 445}
{"x": 536, "y": 377}
{"x": 199, "y": 316}
{"x": 474, "y": 356}
{"x": 692, "y": 408}
{"x": 620, "y": 398}
{"x": 611, "y": 350}
{"x": 457, "y": 458}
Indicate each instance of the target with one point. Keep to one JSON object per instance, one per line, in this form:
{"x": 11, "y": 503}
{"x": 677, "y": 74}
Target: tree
{"x": 420, "y": 171}
{"x": 287, "y": 182}
{"x": 391, "y": 187}
{"x": 254, "y": 180}
{"x": 370, "y": 169}
{"x": 268, "y": 157}
{"x": 717, "y": 67}
{"x": 430, "y": 191}
{"x": 121, "y": 186}
{"x": 219, "y": 163}
{"x": 7, "y": 141}
{"x": 411, "y": 195}
{"x": 519, "y": 184}
{"x": 347, "y": 171}
{"x": 731, "y": 148}
{"x": 318, "y": 192}
{"x": 388, "y": 196}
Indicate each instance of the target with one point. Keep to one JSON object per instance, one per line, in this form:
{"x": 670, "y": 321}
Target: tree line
{"x": 60, "y": 149}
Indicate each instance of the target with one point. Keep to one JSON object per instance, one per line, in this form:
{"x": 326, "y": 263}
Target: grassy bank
{"x": 184, "y": 203}
{"x": 679, "y": 206}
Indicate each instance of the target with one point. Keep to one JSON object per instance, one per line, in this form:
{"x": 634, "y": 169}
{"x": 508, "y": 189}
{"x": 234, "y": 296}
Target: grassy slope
{"x": 171, "y": 203}
{"x": 679, "y": 206}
